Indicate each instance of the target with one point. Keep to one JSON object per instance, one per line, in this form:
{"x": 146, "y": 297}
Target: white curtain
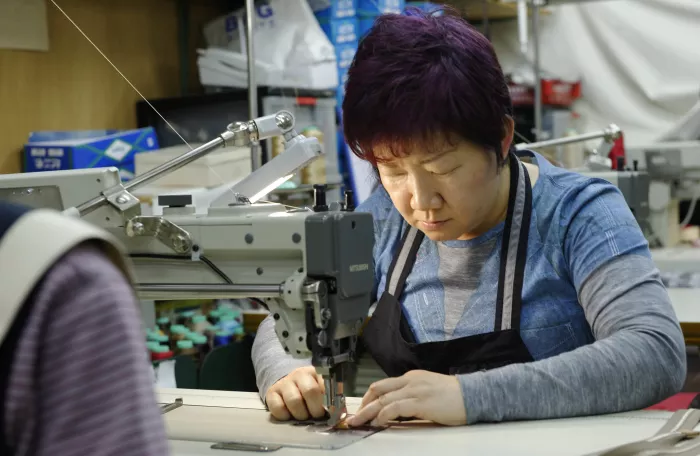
{"x": 639, "y": 61}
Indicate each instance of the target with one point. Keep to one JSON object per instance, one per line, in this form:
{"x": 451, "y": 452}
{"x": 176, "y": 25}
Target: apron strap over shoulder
{"x": 514, "y": 248}
{"x": 403, "y": 261}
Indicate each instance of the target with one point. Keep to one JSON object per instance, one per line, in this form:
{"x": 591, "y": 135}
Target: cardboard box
{"x": 53, "y": 151}
{"x": 373, "y": 8}
{"x": 341, "y": 31}
{"x": 333, "y": 9}
{"x": 225, "y": 165}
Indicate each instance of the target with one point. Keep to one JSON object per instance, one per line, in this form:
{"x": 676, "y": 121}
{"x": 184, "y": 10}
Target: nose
{"x": 424, "y": 196}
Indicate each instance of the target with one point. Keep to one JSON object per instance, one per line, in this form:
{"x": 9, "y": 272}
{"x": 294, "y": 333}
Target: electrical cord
{"x": 203, "y": 259}
{"x": 691, "y": 207}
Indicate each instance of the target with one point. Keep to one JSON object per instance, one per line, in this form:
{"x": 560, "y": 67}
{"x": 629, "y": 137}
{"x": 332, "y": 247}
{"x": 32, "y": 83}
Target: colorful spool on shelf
{"x": 158, "y": 352}
{"x": 222, "y": 338}
{"x": 199, "y": 323}
{"x": 178, "y": 329}
{"x": 160, "y": 338}
{"x": 163, "y": 323}
{"x": 185, "y": 344}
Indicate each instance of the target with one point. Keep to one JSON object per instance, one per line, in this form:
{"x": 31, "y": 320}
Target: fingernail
{"x": 374, "y": 423}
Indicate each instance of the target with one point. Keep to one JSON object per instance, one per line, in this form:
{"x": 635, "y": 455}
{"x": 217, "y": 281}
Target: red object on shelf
{"x": 161, "y": 356}
{"x": 618, "y": 150}
{"x": 306, "y": 101}
{"x": 521, "y": 95}
{"x": 555, "y": 92}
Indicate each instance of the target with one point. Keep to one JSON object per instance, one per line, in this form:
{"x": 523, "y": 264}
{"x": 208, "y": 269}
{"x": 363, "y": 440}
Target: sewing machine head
{"x": 311, "y": 267}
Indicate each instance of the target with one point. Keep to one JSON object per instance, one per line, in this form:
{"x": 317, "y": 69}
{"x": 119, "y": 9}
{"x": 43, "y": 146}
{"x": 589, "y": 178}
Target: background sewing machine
{"x": 656, "y": 179}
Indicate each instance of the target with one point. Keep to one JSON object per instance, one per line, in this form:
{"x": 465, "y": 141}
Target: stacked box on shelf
{"x": 60, "y": 150}
{"x": 369, "y": 10}
{"x": 338, "y": 20}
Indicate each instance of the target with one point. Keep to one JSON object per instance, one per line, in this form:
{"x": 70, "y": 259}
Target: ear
{"x": 509, "y": 131}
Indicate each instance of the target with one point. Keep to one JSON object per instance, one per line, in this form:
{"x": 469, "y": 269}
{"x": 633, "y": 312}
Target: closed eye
{"x": 446, "y": 173}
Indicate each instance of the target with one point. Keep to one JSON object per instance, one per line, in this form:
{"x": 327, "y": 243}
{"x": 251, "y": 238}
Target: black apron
{"x": 389, "y": 338}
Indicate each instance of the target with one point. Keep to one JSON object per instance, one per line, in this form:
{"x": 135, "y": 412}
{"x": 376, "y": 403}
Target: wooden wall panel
{"x": 73, "y": 87}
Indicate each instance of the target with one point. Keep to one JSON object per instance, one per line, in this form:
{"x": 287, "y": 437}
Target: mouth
{"x": 432, "y": 224}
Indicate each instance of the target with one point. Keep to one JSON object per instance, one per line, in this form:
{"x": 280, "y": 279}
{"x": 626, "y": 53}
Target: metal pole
{"x": 252, "y": 81}
{"x": 536, "y": 68}
{"x": 522, "y": 26}
{"x": 160, "y": 171}
{"x": 610, "y": 134}
{"x": 183, "y": 31}
{"x": 485, "y": 19}
{"x": 213, "y": 291}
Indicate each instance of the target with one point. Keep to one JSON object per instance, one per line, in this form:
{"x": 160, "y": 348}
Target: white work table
{"x": 565, "y": 437}
{"x": 686, "y": 303}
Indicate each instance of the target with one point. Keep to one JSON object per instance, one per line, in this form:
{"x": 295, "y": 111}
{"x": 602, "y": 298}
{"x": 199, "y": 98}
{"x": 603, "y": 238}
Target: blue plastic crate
{"x": 373, "y": 8}
{"x": 341, "y": 31}
{"x": 333, "y": 9}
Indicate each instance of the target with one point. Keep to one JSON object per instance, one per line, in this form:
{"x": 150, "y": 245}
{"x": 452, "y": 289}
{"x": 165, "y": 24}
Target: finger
{"x": 365, "y": 414}
{"x": 312, "y": 394}
{"x": 275, "y": 404}
{"x": 374, "y": 408}
{"x": 403, "y": 408}
{"x": 294, "y": 401}
{"x": 383, "y": 387}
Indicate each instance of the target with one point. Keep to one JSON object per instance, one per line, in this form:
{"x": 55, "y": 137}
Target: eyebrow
{"x": 436, "y": 156}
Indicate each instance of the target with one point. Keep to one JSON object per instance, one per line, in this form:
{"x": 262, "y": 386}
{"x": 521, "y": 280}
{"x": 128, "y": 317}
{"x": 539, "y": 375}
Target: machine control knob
{"x": 620, "y": 165}
{"x": 138, "y": 228}
{"x": 320, "y": 204}
{"x": 349, "y": 201}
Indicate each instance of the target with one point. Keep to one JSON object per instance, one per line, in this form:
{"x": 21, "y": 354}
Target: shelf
{"x": 558, "y": 2}
{"x": 473, "y": 10}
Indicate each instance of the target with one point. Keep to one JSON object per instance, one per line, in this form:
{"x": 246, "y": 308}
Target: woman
{"x": 74, "y": 375}
{"x": 507, "y": 288}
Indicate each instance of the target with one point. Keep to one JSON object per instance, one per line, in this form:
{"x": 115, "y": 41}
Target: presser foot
{"x": 337, "y": 411}
{"x": 334, "y": 400}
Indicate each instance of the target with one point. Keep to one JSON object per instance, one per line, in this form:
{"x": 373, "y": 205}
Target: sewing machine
{"x": 312, "y": 268}
{"x": 653, "y": 180}
{"x": 633, "y": 183}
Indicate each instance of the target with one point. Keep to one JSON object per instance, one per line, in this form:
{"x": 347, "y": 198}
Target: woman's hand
{"x": 299, "y": 395}
{"x": 417, "y": 394}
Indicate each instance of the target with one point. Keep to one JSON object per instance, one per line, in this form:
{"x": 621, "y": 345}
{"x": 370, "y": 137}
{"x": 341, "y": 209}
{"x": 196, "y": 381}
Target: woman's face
{"x": 456, "y": 191}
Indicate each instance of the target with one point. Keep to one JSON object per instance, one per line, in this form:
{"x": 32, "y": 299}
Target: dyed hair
{"x": 420, "y": 76}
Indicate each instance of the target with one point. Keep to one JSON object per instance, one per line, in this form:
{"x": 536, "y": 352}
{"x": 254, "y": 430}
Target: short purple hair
{"x": 421, "y": 74}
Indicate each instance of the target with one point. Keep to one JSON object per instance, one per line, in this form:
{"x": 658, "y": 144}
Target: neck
{"x": 498, "y": 212}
